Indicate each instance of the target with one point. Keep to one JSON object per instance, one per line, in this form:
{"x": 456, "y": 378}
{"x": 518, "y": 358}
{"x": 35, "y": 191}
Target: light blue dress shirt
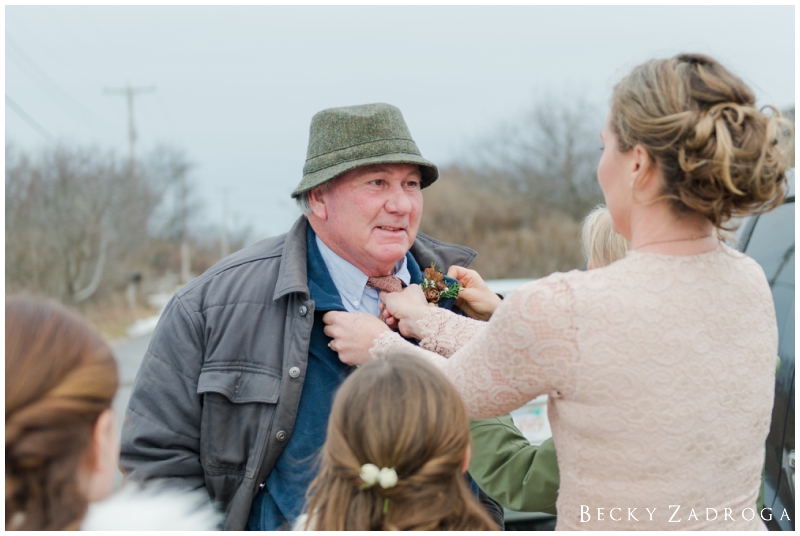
{"x": 351, "y": 282}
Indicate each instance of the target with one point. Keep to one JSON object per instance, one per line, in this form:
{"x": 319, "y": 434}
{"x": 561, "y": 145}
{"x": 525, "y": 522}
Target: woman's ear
{"x": 640, "y": 166}
{"x": 102, "y": 457}
{"x": 467, "y": 458}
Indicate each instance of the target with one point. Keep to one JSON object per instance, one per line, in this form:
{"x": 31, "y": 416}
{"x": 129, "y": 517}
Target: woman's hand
{"x": 352, "y": 334}
{"x": 476, "y": 298}
{"x": 404, "y": 309}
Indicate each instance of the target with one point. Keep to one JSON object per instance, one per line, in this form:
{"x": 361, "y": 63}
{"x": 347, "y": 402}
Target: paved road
{"x": 129, "y": 356}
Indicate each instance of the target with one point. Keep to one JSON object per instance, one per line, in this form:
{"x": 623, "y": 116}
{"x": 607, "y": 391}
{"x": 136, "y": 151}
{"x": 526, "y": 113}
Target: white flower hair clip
{"x": 385, "y": 477}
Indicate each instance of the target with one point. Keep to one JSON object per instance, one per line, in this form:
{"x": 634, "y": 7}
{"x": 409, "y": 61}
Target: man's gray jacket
{"x": 216, "y": 397}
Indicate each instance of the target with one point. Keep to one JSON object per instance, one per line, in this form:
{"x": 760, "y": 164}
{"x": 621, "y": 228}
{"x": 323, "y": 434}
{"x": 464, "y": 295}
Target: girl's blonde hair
{"x": 601, "y": 244}
{"x": 720, "y": 156}
{"x": 400, "y": 413}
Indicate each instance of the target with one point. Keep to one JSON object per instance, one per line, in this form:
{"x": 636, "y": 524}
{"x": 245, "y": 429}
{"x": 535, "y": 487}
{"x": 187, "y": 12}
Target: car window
{"x": 772, "y": 246}
{"x": 772, "y": 241}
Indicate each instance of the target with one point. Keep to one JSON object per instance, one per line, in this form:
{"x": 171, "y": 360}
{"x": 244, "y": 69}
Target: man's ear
{"x": 317, "y": 199}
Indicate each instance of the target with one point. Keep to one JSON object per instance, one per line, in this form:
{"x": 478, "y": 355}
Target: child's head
{"x": 61, "y": 445}
{"x": 601, "y": 244}
{"x": 399, "y": 413}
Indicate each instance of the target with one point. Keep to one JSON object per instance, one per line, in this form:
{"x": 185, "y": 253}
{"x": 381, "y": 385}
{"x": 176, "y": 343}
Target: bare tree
{"x": 45, "y": 249}
{"x": 549, "y": 155}
{"x": 168, "y": 172}
{"x": 73, "y": 216}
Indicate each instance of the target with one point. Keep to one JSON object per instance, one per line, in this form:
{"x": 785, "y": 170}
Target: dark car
{"x": 769, "y": 239}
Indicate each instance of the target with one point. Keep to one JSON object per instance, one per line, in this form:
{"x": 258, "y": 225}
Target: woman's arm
{"x": 528, "y": 348}
{"x": 437, "y": 330}
{"x": 444, "y": 332}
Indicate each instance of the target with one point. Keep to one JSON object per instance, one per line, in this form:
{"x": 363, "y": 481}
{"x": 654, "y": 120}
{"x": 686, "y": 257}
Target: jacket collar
{"x": 293, "y": 272}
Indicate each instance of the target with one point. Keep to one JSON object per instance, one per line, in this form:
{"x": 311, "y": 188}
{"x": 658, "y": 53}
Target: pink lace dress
{"x": 660, "y": 373}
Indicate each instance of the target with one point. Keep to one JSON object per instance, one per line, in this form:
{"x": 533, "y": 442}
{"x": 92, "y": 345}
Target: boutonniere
{"x": 436, "y": 288}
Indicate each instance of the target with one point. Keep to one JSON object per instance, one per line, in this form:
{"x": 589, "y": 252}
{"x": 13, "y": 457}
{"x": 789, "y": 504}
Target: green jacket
{"x": 518, "y": 475}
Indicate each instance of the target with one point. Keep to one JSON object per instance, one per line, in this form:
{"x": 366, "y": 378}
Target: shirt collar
{"x": 350, "y": 280}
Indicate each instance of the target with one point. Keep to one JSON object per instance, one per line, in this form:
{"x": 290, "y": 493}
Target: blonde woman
{"x": 601, "y": 244}
{"x": 395, "y": 454}
{"x": 518, "y": 475}
{"x": 659, "y": 367}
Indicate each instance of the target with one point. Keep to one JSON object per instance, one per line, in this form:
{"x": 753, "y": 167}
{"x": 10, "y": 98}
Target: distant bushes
{"x": 514, "y": 236}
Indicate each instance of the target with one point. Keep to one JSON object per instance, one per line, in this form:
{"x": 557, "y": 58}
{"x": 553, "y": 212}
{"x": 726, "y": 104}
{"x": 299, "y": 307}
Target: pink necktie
{"x": 388, "y": 283}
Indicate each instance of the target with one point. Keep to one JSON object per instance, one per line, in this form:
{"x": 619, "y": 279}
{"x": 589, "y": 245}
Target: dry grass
{"x": 513, "y": 238}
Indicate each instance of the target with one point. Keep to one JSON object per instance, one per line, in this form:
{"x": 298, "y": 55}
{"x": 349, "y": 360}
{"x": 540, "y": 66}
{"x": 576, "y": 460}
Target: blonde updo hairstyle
{"x": 60, "y": 376}
{"x": 719, "y": 155}
{"x": 400, "y": 413}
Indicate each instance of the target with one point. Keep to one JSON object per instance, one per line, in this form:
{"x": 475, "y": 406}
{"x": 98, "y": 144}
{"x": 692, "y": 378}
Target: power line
{"x": 66, "y": 25}
{"x": 109, "y": 46}
{"x": 65, "y": 96}
{"x": 28, "y": 119}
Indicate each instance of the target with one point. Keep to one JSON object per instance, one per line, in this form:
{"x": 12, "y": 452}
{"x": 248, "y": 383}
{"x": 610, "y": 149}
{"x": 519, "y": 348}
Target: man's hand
{"x": 476, "y": 298}
{"x": 405, "y": 308}
{"x": 352, "y": 334}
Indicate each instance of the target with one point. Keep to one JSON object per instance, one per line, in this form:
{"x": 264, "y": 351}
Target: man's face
{"x": 370, "y": 216}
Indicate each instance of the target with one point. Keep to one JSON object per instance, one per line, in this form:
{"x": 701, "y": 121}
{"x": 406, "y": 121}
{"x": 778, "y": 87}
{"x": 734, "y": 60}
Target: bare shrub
{"x": 513, "y": 238}
{"x": 73, "y": 216}
{"x": 80, "y": 227}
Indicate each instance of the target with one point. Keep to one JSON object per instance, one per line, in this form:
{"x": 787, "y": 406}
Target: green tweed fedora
{"x": 342, "y": 139}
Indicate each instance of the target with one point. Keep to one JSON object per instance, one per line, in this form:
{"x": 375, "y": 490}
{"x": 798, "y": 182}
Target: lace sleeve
{"x": 528, "y": 348}
{"x": 444, "y": 332}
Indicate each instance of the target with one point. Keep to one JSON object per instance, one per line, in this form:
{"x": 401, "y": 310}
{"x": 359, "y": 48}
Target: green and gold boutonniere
{"x": 436, "y": 288}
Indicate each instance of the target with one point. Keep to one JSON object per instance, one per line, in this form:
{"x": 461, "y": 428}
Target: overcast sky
{"x": 236, "y": 86}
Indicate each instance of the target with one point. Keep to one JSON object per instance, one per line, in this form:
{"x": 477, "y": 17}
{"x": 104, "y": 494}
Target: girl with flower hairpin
{"x": 394, "y": 458}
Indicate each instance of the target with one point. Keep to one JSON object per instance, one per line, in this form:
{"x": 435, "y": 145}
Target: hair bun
{"x": 719, "y": 155}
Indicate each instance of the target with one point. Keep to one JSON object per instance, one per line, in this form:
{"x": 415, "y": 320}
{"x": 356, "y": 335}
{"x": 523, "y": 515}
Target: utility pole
{"x": 225, "y": 244}
{"x": 185, "y": 252}
{"x": 130, "y": 92}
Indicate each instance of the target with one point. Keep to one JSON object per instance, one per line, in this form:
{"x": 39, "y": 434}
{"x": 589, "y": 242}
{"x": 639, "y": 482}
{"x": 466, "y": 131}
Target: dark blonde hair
{"x": 599, "y": 241}
{"x": 60, "y": 376}
{"x": 719, "y": 155}
{"x": 401, "y": 413}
